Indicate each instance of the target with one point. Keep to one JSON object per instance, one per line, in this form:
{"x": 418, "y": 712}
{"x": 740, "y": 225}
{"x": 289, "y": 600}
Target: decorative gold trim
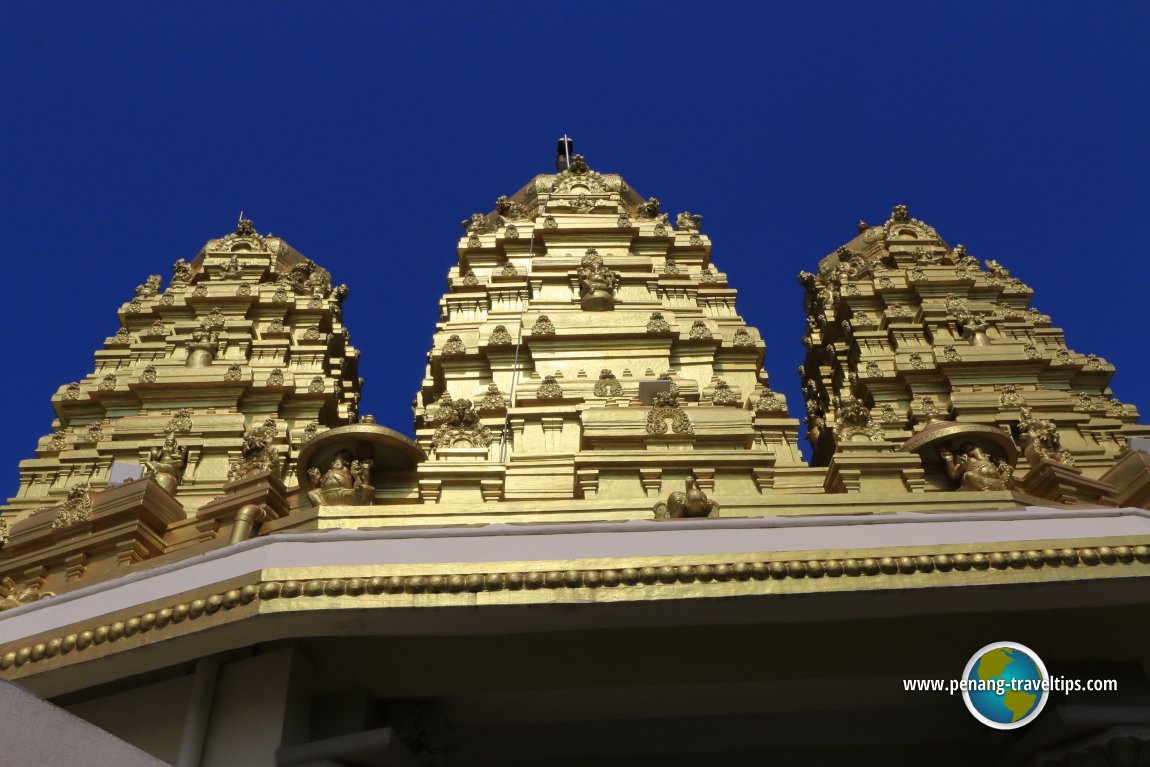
{"x": 763, "y": 570}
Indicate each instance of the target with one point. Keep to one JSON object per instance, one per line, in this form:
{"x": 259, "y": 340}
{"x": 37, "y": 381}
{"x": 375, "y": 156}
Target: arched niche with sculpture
{"x": 971, "y": 456}
{"x": 345, "y": 466}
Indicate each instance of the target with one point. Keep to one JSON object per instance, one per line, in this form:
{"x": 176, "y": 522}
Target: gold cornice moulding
{"x": 679, "y": 577}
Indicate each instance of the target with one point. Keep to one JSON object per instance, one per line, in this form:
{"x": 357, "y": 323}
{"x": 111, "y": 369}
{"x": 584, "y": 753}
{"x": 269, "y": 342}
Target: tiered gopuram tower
{"x": 589, "y": 349}
{"x": 913, "y": 343}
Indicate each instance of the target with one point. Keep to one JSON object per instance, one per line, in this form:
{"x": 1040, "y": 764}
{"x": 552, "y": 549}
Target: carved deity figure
{"x": 347, "y": 482}
{"x": 166, "y": 464}
{"x": 258, "y": 452}
{"x": 688, "y": 222}
{"x": 692, "y": 502}
{"x": 973, "y": 329}
{"x": 975, "y": 469}
{"x": 12, "y": 595}
{"x": 651, "y": 210}
{"x": 181, "y": 274}
{"x": 203, "y": 347}
{"x": 597, "y": 283}
{"x": 150, "y": 288}
{"x": 1040, "y": 441}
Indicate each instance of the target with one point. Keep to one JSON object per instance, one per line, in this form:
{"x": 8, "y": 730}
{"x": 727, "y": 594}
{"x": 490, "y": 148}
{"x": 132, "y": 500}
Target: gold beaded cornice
{"x": 639, "y": 579}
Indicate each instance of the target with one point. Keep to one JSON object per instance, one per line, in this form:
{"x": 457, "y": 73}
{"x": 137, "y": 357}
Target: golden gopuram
{"x": 603, "y": 545}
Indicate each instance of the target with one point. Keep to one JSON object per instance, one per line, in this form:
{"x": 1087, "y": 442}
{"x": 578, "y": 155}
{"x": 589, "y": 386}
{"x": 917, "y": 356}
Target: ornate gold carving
{"x": 181, "y": 275}
{"x": 244, "y": 290}
{"x": 232, "y": 270}
{"x": 258, "y": 452}
{"x": 656, "y": 324}
{"x": 276, "y": 377}
{"x": 768, "y": 403}
{"x": 76, "y": 508}
{"x": 454, "y": 346}
{"x": 12, "y": 595}
{"x": 500, "y": 337}
{"x": 511, "y": 232}
{"x": 651, "y": 209}
{"x": 1039, "y": 438}
{"x": 477, "y": 224}
{"x": 460, "y": 425}
{"x": 108, "y": 383}
{"x": 181, "y": 421}
{"x": 975, "y": 469}
{"x": 165, "y": 464}
{"x": 509, "y": 270}
{"x": 608, "y": 385}
{"x": 700, "y": 331}
{"x": 72, "y": 391}
{"x": 310, "y": 431}
{"x": 549, "y": 389}
{"x": 708, "y": 276}
{"x": 276, "y": 326}
{"x": 550, "y": 223}
{"x": 346, "y": 482}
{"x": 149, "y": 374}
{"x": 1093, "y": 362}
{"x": 660, "y": 229}
{"x": 543, "y": 326}
{"x": 950, "y": 353}
{"x": 926, "y": 409}
{"x": 873, "y": 370}
{"x": 582, "y": 204}
{"x": 244, "y": 237}
{"x": 624, "y": 221}
{"x": 492, "y": 399}
{"x": 742, "y": 339}
{"x": 692, "y": 503}
{"x": 724, "y": 395}
{"x": 4, "y": 532}
{"x": 508, "y": 210}
{"x": 469, "y": 278}
{"x": 853, "y": 422}
{"x": 666, "y": 407}
{"x": 94, "y": 433}
{"x": 235, "y": 373}
{"x": 916, "y": 361}
{"x": 1010, "y": 397}
{"x": 150, "y": 288}
{"x": 122, "y": 336}
{"x": 688, "y": 222}
{"x": 316, "y": 386}
{"x": 58, "y": 442}
{"x": 597, "y": 283}
{"x": 311, "y": 334}
{"x": 671, "y": 267}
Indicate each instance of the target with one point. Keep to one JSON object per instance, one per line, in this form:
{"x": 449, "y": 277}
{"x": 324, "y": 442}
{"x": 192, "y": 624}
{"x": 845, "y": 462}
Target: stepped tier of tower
{"x": 589, "y": 349}
{"x": 246, "y": 337}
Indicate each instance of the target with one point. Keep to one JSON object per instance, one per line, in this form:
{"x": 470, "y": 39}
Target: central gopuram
{"x": 590, "y": 350}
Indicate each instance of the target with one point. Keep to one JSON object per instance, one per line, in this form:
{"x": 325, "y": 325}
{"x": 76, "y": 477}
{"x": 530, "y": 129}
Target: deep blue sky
{"x": 364, "y": 132}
